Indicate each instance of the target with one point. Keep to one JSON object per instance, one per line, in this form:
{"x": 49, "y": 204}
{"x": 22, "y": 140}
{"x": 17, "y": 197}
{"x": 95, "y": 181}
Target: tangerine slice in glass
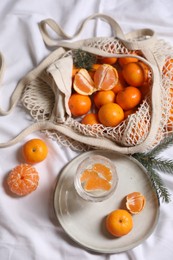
{"x": 97, "y": 178}
{"x": 23, "y": 179}
{"x": 135, "y": 202}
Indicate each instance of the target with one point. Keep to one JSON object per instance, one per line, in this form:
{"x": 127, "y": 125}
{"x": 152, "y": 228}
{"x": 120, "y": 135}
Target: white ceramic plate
{"x": 84, "y": 221}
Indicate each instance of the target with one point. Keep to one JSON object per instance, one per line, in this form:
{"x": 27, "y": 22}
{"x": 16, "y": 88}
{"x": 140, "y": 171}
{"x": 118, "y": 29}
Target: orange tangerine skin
{"x": 103, "y": 97}
{"x": 35, "y": 151}
{"x": 23, "y": 179}
{"x": 111, "y": 114}
{"x": 125, "y": 60}
{"x": 129, "y": 98}
{"x": 79, "y": 105}
{"x": 134, "y": 74}
{"x": 119, "y": 222}
{"x": 108, "y": 60}
{"x": 121, "y": 84}
{"x": 90, "y": 119}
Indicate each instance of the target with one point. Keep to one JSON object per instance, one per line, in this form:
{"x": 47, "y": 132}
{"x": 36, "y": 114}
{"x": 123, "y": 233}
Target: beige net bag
{"x": 45, "y": 92}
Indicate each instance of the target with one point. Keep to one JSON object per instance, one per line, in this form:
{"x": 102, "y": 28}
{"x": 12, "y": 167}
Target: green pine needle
{"x": 83, "y": 59}
{"x": 163, "y": 165}
{"x": 152, "y": 165}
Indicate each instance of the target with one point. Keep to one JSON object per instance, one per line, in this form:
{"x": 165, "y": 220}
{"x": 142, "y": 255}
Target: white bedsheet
{"x": 28, "y": 227}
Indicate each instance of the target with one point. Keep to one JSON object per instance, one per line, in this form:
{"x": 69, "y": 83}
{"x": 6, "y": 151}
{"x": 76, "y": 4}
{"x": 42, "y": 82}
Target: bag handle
{"x": 133, "y": 41}
{"x": 59, "y": 31}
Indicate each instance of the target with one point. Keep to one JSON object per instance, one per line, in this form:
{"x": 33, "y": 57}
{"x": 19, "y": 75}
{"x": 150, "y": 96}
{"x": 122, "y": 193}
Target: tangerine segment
{"x": 23, "y": 179}
{"x": 103, "y": 171}
{"x": 119, "y": 222}
{"x": 98, "y": 177}
{"x": 87, "y": 174}
{"x": 96, "y": 183}
{"x": 83, "y": 83}
{"x": 105, "y": 77}
{"x": 135, "y": 202}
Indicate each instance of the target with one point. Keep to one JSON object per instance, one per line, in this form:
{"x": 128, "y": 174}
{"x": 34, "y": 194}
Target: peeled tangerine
{"x": 83, "y": 83}
{"x": 135, "y": 202}
{"x": 23, "y": 179}
{"x": 105, "y": 77}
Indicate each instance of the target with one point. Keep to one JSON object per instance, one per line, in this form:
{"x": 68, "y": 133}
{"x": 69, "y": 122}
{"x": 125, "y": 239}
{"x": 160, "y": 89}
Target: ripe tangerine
{"x": 134, "y": 74}
{"x": 90, "y": 119}
{"x": 103, "y": 97}
{"x": 34, "y": 151}
{"x": 128, "y": 98}
{"x": 108, "y": 60}
{"x": 125, "y": 60}
{"x": 23, "y": 179}
{"x": 119, "y": 222}
{"x": 79, "y": 104}
{"x": 111, "y": 114}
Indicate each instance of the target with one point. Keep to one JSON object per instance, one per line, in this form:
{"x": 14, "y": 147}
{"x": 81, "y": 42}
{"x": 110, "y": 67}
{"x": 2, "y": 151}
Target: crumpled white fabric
{"x": 28, "y": 227}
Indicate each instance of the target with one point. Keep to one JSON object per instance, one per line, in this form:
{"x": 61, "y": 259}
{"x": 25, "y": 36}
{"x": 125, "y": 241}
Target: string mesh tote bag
{"x": 45, "y": 91}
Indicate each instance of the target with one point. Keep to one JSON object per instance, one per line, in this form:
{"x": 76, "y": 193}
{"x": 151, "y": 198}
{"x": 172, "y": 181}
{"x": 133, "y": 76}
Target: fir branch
{"x": 152, "y": 165}
{"x": 83, "y": 59}
{"x": 158, "y": 184}
{"x": 163, "y": 165}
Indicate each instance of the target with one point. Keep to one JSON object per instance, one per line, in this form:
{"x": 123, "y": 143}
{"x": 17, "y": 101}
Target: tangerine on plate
{"x": 119, "y": 222}
{"x": 90, "y": 119}
{"x": 34, "y": 151}
{"x": 79, "y": 104}
{"x": 83, "y": 83}
{"x": 128, "y": 98}
{"x": 23, "y": 179}
{"x": 111, "y": 114}
{"x": 134, "y": 74}
{"x": 103, "y": 97}
{"x": 135, "y": 202}
{"x": 105, "y": 77}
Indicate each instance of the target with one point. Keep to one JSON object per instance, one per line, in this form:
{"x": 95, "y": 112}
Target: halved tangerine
{"x": 83, "y": 83}
{"x": 135, "y": 202}
{"x": 23, "y": 179}
{"x": 105, "y": 77}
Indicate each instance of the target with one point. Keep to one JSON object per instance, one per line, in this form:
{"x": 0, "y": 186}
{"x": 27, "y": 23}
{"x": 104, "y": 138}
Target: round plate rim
{"x": 92, "y": 248}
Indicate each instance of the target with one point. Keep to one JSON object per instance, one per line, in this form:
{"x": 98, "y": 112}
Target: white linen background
{"x": 28, "y": 227}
